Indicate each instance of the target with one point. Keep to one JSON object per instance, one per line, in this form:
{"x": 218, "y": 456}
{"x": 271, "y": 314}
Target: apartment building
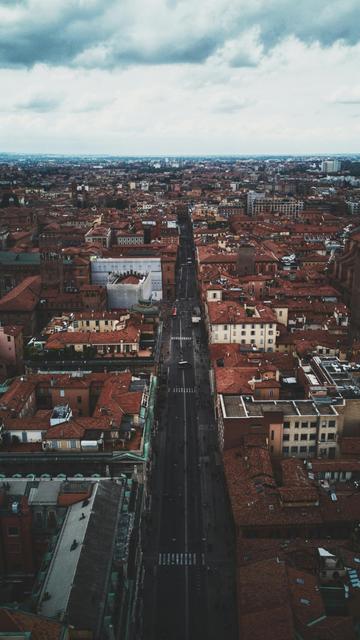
{"x": 258, "y": 203}
{"x": 296, "y": 428}
{"x": 231, "y": 322}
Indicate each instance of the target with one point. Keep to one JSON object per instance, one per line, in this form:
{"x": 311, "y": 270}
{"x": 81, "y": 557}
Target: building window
{"x": 252, "y": 333}
{"x": 286, "y": 437}
{"x": 332, "y": 423}
{"x": 304, "y": 425}
{"x": 225, "y": 327}
{"x": 9, "y": 338}
{"x": 72, "y": 444}
{"x": 243, "y": 333}
{"x": 313, "y": 424}
{"x": 13, "y": 531}
{"x": 62, "y": 393}
{"x": 323, "y": 436}
{"x": 312, "y": 436}
{"x": 304, "y": 436}
{"x": 296, "y": 437}
{"x": 270, "y": 341}
{"x": 312, "y": 449}
{"x": 303, "y": 449}
{"x": 285, "y": 450}
{"x": 287, "y": 425}
{"x": 294, "y": 449}
{"x": 331, "y": 436}
{"x": 79, "y": 399}
{"x": 272, "y": 434}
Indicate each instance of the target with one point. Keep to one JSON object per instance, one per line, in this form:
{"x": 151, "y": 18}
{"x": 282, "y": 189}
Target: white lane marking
{"x": 185, "y": 512}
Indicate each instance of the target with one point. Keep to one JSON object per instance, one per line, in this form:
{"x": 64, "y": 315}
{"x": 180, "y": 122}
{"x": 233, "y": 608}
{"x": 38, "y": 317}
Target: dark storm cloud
{"x": 108, "y": 33}
{"x": 310, "y": 21}
{"x": 188, "y": 52}
{"x": 53, "y": 32}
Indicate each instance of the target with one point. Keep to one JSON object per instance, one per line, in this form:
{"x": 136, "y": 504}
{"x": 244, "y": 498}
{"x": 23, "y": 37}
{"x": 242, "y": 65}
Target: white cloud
{"x": 220, "y": 76}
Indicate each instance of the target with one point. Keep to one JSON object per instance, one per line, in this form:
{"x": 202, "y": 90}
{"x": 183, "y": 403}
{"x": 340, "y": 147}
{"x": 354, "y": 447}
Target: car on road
{"x": 184, "y": 364}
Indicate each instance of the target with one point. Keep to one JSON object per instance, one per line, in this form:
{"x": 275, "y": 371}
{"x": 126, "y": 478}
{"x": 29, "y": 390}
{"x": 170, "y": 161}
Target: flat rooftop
{"x": 246, "y": 407}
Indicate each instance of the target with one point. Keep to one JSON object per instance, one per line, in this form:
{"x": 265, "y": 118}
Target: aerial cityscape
{"x": 180, "y": 397}
{"x": 179, "y": 320}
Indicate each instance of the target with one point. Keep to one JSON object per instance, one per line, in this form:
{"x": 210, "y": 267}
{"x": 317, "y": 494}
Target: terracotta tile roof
{"x": 306, "y": 601}
{"x": 65, "y": 431}
{"x": 12, "y": 330}
{"x": 27, "y": 424}
{"x": 41, "y": 628}
{"x": 263, "y": 602}
{"x": 16, "y": 396}
{"x": 24, "y": 297}
{"x": 270, "y": 624}
{"x": 231, "y": 312}
{"x": 233, "y": 381}
{"x": 131, "y": 334}
{"x": 350, "y": 446}
{"x": 76, "y": 427}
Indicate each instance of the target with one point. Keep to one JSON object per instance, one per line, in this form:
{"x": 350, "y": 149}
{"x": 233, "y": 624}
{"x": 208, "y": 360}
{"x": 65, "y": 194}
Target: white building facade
{"x": 102, "y": 268}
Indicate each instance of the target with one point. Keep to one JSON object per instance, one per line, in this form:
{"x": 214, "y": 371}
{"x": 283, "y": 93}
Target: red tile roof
{"x": 230, "y": 312}
{"x": 41, "y": 628}
{"x": 131, "y": 334}
{"x": 24, "y": 297}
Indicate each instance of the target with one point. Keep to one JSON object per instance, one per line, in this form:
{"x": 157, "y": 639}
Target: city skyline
{"x": 217, "y": 79}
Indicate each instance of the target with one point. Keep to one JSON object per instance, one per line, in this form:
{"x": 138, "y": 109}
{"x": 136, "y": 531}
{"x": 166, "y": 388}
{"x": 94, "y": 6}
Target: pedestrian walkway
{"x": 181, "y": 337}
{"x": 181, "y": 389}
{"x": 181, "y": 559}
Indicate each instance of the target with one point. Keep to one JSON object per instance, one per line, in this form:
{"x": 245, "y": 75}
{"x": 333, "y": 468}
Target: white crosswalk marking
{"x": 182, "y": 389}
{"x": 181, "y": 337}
{"x": 177, "y": 559}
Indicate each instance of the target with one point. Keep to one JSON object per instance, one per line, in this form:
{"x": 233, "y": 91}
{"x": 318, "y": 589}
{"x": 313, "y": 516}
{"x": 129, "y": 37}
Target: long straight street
{"x": 189, "y": 557}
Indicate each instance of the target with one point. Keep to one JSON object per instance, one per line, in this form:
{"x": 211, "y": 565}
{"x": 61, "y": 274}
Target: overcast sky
{"x": 180, "y": 76}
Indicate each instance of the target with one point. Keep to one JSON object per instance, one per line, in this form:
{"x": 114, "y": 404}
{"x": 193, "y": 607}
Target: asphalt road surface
{"x": 189, "y": 557}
